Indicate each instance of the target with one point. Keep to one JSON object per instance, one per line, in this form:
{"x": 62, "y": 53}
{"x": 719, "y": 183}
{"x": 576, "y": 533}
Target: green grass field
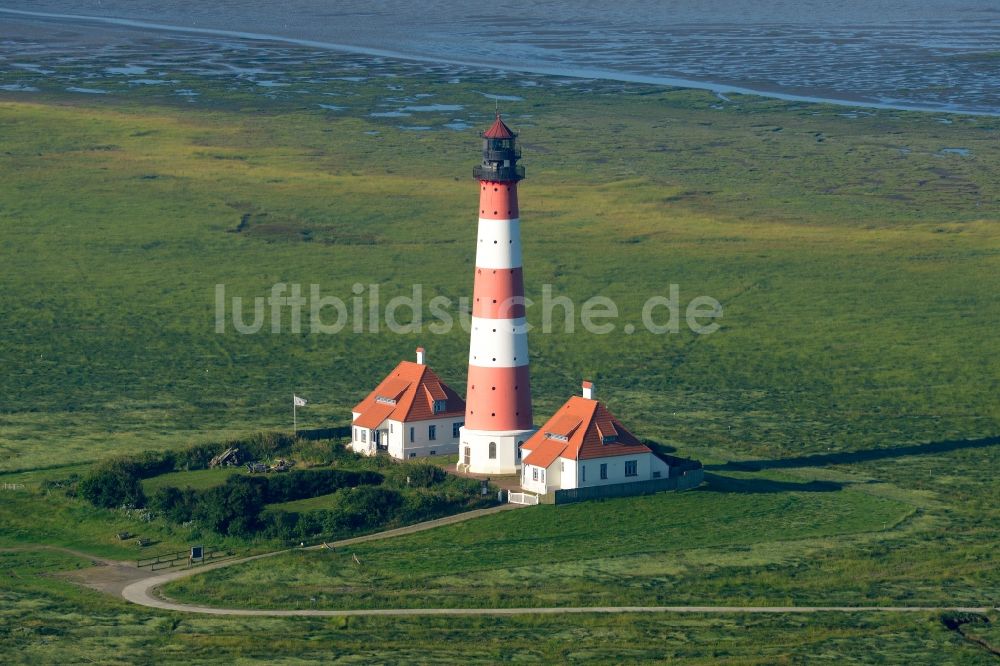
{"x": 45, "y": 619}
{"x": 196, "y": 479}
{"x": 855, "y": 261}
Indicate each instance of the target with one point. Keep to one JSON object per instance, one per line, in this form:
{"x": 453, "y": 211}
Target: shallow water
{"x": 934, "y": 54}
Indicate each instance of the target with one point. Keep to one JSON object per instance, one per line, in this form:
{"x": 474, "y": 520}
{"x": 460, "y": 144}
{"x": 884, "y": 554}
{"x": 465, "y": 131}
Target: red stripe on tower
{"x": 498, "y": 415}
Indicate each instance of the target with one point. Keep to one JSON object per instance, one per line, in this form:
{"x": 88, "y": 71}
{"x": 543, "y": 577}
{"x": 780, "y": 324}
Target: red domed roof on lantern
{"x": 498, "y": 130}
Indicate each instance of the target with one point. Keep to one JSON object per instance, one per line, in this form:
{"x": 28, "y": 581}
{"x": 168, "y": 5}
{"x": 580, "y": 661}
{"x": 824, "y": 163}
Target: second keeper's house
{"x": 412, "y": 413}
{"x": 584, "y": 445}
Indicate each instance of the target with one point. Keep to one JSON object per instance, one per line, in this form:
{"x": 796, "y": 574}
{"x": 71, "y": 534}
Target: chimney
{"x": 588, "y": 390}
{"x": 421, "y": 356}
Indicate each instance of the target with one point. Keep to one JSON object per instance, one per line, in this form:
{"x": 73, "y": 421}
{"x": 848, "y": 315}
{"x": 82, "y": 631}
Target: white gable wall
{"x": 400, "y": 445}
{"x": 565, "y": 474}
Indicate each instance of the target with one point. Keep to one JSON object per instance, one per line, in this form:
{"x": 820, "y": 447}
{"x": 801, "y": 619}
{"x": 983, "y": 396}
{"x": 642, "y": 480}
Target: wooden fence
{"x": 181, "y": 558}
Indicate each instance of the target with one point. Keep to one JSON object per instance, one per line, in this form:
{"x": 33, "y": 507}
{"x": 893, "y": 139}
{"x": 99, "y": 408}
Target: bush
{"x": 420, "y": 475}
{"x": 113, "y": 483}
{"x": 366, "y": 506}
{"x": 321, "y": 452}
{"x": 263, "y": 445}
{"x": 177, "y": 505}
{"x": 304, "y": 484}
{"x": 232, "y": 508}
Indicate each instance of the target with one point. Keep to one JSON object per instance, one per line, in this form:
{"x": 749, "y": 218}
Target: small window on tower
{"x": 493, "y": 450}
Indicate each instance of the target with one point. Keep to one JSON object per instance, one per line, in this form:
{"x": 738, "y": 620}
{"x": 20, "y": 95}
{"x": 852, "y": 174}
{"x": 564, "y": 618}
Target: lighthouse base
{"x": 490, "y": 451}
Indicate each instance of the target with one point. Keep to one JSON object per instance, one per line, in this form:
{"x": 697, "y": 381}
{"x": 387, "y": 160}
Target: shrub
{"x": 303, "y": 484}
{"x": 113, "y": 483}
{"x": 177, "y": 505}
{"x": 420, "y": 475}
{"x": 264, "y": 445}
{"x": 366, "y": 506}
{"x": 232, "y": 508}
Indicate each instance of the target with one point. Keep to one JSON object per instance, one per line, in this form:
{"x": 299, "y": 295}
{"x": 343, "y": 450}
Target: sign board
{"x": 197, "y": 552}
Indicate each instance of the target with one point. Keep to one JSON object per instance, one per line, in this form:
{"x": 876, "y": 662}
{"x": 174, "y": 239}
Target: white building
{"x": 412, "y": 413}
{"x": 584, "y": 445}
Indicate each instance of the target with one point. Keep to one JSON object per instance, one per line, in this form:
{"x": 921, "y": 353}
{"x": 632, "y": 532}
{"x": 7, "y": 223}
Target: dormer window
{"x": 609, "y": 439}
{"x": 557, "y": 437}
{"x": 440, "y": 406}
{"x": 384, "y": 400}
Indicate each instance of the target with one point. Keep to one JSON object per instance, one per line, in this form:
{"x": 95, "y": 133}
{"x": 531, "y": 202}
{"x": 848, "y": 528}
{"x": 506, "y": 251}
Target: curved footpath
{"x": 143, "y": 592}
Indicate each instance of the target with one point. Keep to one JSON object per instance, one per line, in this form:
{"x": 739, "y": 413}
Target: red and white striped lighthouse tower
{"x": 498, "y": 399}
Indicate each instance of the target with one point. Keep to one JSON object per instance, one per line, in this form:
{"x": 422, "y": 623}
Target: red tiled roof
{"x": 545, "y": 454}
{"x": 564, "y": 424}
{"x": 408, "y": 394}
{"x": 585, "y": 424}
{"x": 372, "y": 417}
{"x": 499, "y": 130}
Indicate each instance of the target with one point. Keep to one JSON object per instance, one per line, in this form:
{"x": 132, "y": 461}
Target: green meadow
{"x": 845, "y": 409}
{"x": 47, "y": 619}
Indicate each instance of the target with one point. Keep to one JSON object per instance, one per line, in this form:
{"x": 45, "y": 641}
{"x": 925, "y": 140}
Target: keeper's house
{"x": 410, "y": 414}
{"x": 583, "y": 445}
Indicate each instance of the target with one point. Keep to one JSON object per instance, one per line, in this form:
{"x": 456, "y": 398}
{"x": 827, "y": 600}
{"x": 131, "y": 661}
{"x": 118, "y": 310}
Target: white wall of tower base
{"x": 477, "y": 444}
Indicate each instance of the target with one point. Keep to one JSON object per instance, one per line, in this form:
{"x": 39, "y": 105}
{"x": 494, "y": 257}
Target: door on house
{"x": 468, "y": 456}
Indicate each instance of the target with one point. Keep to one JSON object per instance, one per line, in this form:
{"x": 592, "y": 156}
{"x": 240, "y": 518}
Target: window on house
{"x": 604, "y": 470}
{"x": 364, "y": 435}
{"x": 656, "y": 475}
{"x": 412, "y": 454}
{"x": 519, "y": 445}
{"x": 432, "y": 432}
{"x": 631, "y": 468}
{"x": 390, "y": 426}
{"x": 433, "y": 452}
{"x": 562, "y": 466}
{"x": 412, "y": 434}
{"x": 456, "y": 427}
{"x": 355, "y": 434}
{"x": 543, "y": 476}
{"x": 534, "y": 474}
{"x": 583, "y": 473}
{"x": 493, "y": 450}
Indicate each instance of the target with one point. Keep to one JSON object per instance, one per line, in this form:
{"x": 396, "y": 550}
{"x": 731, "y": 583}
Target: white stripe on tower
{"x": 499, "y": 244}
{"x": 498, "y": 343}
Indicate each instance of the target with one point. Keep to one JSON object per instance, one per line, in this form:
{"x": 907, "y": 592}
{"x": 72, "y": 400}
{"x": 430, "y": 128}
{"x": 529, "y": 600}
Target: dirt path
{"x": 104, "y": 574}
{"x": 143, "y": 592}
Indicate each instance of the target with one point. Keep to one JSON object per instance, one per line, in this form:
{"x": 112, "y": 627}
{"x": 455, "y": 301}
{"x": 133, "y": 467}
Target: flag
{"x": 297, "y": 401}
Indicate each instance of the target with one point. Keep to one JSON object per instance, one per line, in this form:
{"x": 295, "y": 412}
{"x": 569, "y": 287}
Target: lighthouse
{"x": 498, "y": 416}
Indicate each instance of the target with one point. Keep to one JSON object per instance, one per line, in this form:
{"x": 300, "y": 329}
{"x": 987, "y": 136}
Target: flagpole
{"x": 295, "y": 425}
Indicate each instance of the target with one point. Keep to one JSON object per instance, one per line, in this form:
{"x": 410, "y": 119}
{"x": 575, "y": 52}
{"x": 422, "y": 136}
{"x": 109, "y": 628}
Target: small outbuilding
{"x": 584, "y": 445}
{"x": 412, "y": 413}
